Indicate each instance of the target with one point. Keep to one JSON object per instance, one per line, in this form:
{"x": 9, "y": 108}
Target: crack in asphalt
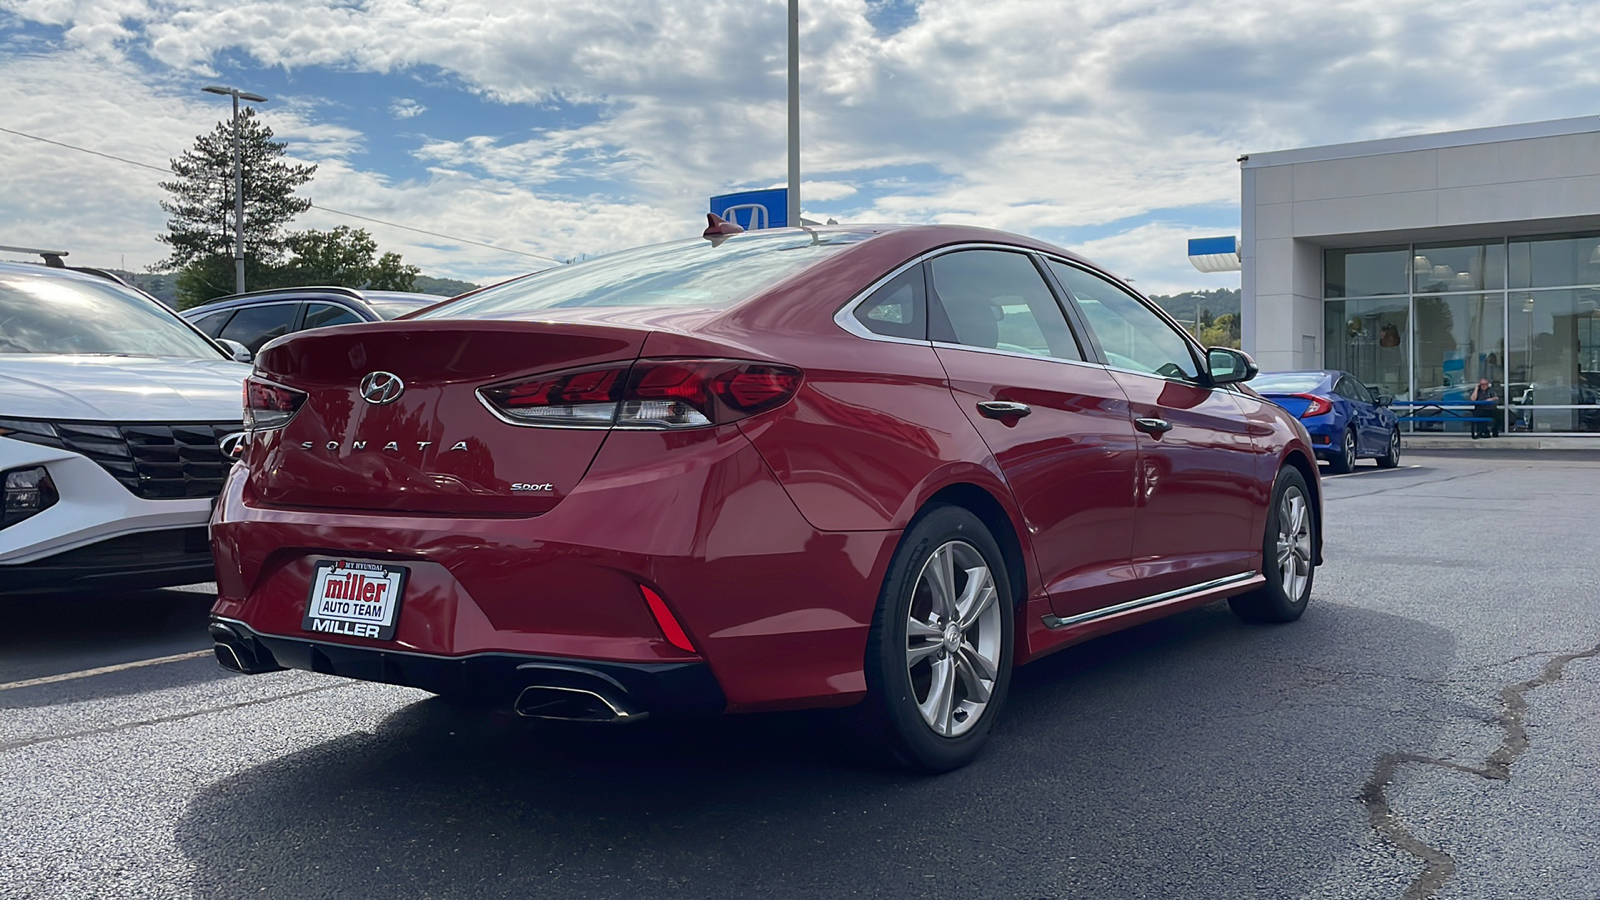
{"x": 162, "y": 720}
{"x": 1437, "y": 865}
{"x": 1406, "y": 487}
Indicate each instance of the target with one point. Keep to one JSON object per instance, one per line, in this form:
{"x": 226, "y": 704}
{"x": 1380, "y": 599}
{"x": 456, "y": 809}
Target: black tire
{"x": 1275, "y": 601}
{"x": 890, "y": 727}
{"x": 1345, "y": 462}
{"x": 1391, "y": 457}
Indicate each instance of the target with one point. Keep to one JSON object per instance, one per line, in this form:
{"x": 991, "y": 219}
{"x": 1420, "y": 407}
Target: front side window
{"x": 212, "y": 324}
{"x": 61, "y": 315}
{"x": 1132, "y": 335}
{"x": 321, "y": 315}
{"x": 998, "y": 300}
{"x": 253, "y": 326}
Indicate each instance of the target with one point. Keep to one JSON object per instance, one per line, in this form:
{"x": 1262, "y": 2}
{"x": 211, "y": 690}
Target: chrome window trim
{"x": 1058, "y": 622}
{"x": 995, "y": 351}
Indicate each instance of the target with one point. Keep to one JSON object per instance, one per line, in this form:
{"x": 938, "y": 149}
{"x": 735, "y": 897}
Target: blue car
{"x": 1345, "y": 420}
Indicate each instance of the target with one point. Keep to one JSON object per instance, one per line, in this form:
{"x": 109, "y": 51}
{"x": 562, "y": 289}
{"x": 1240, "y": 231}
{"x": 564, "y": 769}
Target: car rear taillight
{"x": 651, "y": 394}
{"x": 268, "y": 405}
{"x": 1320, "y": 406}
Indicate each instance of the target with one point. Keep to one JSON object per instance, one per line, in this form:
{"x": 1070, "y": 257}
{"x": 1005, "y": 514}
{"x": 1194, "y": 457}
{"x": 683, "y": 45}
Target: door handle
{"x": 1000, "y": 409}
{"x": 1153, "y": 426}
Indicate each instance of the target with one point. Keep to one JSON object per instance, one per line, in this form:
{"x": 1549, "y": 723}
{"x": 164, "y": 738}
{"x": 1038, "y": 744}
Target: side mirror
{"x": 1230, "y": 366}
{"x": 238, "y": 351}
{"x": 1385, "y": 399}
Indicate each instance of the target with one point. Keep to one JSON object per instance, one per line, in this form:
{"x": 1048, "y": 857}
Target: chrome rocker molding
{"x": 1055, "y": 622}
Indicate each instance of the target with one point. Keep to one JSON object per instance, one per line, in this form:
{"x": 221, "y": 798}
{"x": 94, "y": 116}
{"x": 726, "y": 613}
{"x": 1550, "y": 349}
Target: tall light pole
{"x": 238, "y": 180}
{"x": 794, "y": 114}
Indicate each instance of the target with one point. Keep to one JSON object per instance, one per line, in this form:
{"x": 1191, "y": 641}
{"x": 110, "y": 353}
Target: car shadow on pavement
{"x": 54, "y": 634}
{"x": 1195, "y": 757}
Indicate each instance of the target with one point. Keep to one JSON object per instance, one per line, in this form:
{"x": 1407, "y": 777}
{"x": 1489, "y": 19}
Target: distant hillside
{"x": 1195, "y": 304}
{"x": 448, "y": 287}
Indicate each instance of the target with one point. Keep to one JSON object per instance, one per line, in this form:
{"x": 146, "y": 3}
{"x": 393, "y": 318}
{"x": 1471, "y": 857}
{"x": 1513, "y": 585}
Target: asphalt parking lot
{"x": 1429, "y": 729}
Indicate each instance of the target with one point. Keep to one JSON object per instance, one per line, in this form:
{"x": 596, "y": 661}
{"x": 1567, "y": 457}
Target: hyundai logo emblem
{"x": 381, "y": 387}
{"x": 232, "y": 445}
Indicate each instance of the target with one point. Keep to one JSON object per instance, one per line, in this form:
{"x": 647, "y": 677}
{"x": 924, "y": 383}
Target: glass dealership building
{"x": 1421, "y": 264}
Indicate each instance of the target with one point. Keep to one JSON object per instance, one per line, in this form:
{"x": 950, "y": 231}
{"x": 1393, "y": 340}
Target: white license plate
{"x": 359, "y": 599}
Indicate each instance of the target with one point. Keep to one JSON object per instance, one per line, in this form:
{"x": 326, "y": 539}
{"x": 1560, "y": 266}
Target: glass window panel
{"x": 999, "y": 300}
{"x": 1458, "y": 341}
{"x": 1367, "y": 273}
{"x": 1555, "y": 261}
{"x": 1367, "y": 338}
{"x": 320, "y": 315}
{"x": 1132, "y": 335}
{"x": 253, "y": 326}
{"x": 1458, "y": 267}
{"x": 1553, "y": 354}
{"x": 898, "y": 309}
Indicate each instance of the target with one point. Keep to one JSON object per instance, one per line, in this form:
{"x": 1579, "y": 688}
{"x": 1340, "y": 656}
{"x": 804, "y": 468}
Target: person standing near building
{"x": 1485, "y": 402}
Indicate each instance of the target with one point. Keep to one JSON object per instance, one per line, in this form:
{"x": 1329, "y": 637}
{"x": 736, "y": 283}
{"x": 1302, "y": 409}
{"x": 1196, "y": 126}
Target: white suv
{"x": 114, "y": 416}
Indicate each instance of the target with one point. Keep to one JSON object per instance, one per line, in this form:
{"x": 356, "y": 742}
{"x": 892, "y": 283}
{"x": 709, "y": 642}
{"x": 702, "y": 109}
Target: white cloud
{"x": 406, "y": 108}
{"x": 1154, "y": 257}
{"x": 1015, "y": 114}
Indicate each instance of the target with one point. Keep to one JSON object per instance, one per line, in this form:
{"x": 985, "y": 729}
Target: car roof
{"x": 348, "y": 296}
{"x": 22, "y": 268}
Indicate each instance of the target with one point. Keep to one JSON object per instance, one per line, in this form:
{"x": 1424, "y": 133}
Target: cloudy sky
{"x": 558, "y": 128}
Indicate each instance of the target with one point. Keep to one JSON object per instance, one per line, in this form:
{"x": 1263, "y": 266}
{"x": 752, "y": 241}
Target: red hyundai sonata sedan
{"x": 869, "y": 466}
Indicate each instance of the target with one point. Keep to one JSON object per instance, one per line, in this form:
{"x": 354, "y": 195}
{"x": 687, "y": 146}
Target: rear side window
{"x": 253, "y": 326}
{"x": 898, "y": 309}
{"x": 696, "y": 273}
{"x": 212, "y": 324}
{"x": 997, "y": 300}
{"x": 1132, "y": 335}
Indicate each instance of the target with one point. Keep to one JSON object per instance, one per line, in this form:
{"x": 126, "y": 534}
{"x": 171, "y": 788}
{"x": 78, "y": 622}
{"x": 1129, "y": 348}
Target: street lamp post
{"x": 238, "y": 180}
{"x": 794, "y": 114}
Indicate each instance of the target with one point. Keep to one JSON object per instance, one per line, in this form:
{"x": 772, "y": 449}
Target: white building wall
{"x": 1542, "y": 177}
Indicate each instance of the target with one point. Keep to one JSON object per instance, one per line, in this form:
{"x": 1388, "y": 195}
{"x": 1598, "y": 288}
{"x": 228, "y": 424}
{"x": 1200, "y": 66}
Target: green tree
{"x": 1222, "y": 332}
{"x": 347, "y": 257}
{"x": 200, "y": 205}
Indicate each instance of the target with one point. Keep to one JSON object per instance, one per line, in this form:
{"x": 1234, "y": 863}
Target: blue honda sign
{"x": 754, "y": 209}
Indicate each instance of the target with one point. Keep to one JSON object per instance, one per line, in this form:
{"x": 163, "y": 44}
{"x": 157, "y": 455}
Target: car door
{"x": 1057, "y": 425}
{"x": 1199, "y": 491}
{"x": 1372, "y": 432}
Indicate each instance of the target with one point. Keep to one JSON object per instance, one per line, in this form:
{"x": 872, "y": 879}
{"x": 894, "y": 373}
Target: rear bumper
{"x": 778, "y": 613}
{"x": 683, "y": 688}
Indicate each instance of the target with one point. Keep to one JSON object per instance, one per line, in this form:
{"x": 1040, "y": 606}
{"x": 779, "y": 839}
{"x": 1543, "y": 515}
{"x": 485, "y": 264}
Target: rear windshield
{"x": 55, "y": 314}
{"x": 683, "y": 273}
{"x": 1287, "y": 382}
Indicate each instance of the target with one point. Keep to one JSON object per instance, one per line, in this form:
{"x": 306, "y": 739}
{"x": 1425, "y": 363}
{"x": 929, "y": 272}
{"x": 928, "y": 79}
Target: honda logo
{"x": 382, "y": 387}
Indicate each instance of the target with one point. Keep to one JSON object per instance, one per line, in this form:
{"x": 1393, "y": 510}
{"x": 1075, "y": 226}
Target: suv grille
{"x": 156, "y": 462}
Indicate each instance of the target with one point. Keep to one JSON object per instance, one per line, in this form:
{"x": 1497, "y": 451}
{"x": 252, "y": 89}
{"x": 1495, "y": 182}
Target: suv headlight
{"x": 27, "y": 492}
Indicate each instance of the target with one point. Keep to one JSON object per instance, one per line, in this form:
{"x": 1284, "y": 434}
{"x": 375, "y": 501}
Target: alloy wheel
{"x": 1294, "y": 543}
{"x": 953, "y": 639}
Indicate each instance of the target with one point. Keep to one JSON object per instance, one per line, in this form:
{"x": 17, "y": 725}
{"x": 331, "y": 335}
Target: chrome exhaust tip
{"x": 574, "y": 704}
{"x": 237, "y": 654}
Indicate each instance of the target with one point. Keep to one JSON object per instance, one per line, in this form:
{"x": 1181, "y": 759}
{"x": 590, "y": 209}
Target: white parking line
{"x": 1370, "y": 472}
{"x": 103, "y": 670}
